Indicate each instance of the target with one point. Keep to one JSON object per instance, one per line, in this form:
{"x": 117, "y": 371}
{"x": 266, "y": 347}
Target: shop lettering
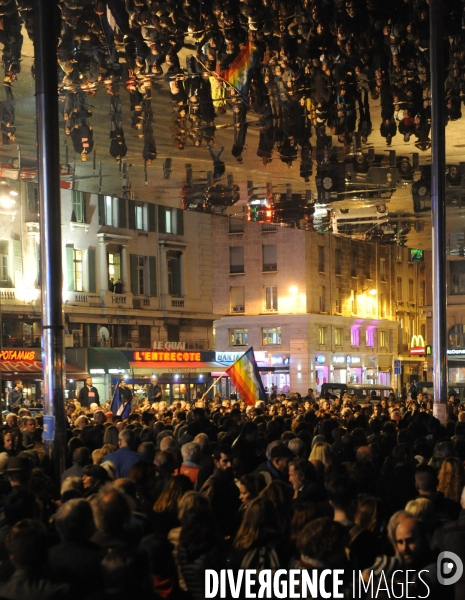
{"x": 169, "y": 345}
{"x": 17, "y": 355}
{"x": 338, "y": 360}
{"x": 167, "y": 356}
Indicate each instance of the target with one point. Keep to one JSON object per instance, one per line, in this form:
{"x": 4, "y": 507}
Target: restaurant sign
{"x": 17, "y": 355}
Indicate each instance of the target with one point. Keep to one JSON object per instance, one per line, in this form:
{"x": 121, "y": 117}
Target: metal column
{"x": 48, "y": 153}
{"x": 438, "y": 167}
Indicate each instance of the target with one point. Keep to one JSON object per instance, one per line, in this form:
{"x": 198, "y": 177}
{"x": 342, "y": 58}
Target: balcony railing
{"x": 236, "y": 268}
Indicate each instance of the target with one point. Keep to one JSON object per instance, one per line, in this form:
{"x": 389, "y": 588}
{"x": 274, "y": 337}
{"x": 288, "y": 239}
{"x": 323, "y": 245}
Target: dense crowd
{"x": 317, "y": 66}
{"x": 151, "y": 499}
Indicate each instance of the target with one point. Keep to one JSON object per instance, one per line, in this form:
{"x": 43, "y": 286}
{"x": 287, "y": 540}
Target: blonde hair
{"x": 97, "y": 456}
{"x": 422, "y": 509}
{"x": 322, "y": 451}
{"x": 451, "y": 478}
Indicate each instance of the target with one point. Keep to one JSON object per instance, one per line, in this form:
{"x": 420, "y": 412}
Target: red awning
{"x": 33, "y": 370}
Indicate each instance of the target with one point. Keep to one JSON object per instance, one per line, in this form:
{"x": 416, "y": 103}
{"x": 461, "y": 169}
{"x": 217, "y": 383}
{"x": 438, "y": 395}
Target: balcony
{"x": 177, "y": 302}
{"x": 236, "y": 269}
{"x": 270, "y": 267}
{"x": 268, "y": 227}
{"x": 238, "y": 308}
{"x": 141, "y": 302}
{"x": 236, "y": 227}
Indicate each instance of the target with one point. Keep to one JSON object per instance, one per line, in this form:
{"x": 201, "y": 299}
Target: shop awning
{"x": 106, "y": 360}
{"x": 171, "y": 367}
{"x": 33, "y": 370}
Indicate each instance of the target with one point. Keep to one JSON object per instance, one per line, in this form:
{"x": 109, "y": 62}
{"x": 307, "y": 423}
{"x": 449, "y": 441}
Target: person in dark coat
{"x": 88, "y": 394}
{"x": 221, "y": 490}
{"x": 121, "y": 402}
{"x": 75, "y": 554}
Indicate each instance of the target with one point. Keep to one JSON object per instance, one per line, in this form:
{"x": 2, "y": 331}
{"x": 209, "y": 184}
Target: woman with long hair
{"x": 451, "y": 478}
{"x": 259, "y": 541}
{"x": 165, "y": 509}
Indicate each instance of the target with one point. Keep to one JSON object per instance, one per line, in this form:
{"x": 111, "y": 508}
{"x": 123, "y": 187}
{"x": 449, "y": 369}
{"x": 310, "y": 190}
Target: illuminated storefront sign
{"x": 263, "y": 359}
{"x": 456, "y": 351}
{"x": 320, "y": 359}
{"x": 179, "y": 357}
{"x": 417, "y": 345}
{"x": 18, "y": 355}
{"x": 163, "y": 345}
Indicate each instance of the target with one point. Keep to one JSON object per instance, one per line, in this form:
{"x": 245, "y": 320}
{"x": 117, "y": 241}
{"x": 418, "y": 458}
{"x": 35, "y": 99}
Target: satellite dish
{"x": 103, "y": 334}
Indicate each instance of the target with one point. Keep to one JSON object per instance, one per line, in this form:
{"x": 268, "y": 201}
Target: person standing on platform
{"x": 121, "y": 402}
{"x": 88, "y": 394}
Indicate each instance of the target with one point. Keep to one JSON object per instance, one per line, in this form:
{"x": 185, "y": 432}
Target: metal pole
{"x": 48, "y": 154}
{"x": 438, "y": 165}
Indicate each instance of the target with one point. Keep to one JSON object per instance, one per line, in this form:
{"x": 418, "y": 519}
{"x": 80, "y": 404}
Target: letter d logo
{"x": 450, "y": 568}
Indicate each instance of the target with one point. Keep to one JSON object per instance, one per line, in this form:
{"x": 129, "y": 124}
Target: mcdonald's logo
{"x": 417, "y": 345}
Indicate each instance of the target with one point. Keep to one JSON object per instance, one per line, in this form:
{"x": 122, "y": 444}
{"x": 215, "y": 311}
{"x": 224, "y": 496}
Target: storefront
{"x": 25, "y": 364}
{"x": 106, "y": 366}
{"x": 182, "y": 374}
{"x": 272, "y": 366}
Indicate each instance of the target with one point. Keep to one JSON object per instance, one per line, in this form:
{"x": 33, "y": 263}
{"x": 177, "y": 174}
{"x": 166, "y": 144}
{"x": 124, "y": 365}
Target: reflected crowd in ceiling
{"x": 313, "y": 114}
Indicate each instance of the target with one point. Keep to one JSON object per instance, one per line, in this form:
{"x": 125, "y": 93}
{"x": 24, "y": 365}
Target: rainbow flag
{"x": 238, "y": 73}
{"x": 245, "y": 376}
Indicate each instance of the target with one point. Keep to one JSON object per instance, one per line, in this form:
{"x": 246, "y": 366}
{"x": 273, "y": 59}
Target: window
{"x": 456, "y": 337}
{"x": 4, "y": 269}
{"x": 368, "y": 266}
{"x": 353, "y": 301}
{"x": 170, "y": 220}
{"x": 369, "y": 338}
{"x": 322, "y": 298}
{"x": 141, "y": 216}
{"x": 399, "y": 289}
{"x": 270, "y": 257}
{"x": 237, "y": 297}
{"x": 457, "y": 277}
{"x": 338, "y": 336}
{"x": 337, "y": 295}
{"x": 111, "y": 211}
{"x": 32, "y": 197}
{"x": 77, "y": 259}
{"x": 271, "y": 297}
{"x": 383, "y": 306}
{"x": 143, "y": 274}
{"x": 353, "y": 270}
{"x": 382, "y": 269}
{"x": 321, "y": 259}
{"x": 411, "y": 326}
{"x": 238, "y": 337}
{"x": 355, "y": 336}
{"x": 322, "y": 335}
{"x": 338, "y": 261}
{"x": 383, "y": 339}
{"x": 236, "y": 225}
{"x": 79, "y": 205}
{"x": 236, "y": 259}
{"x": 411, "y": 297}
{"x": 271, "y": 336}
{"x": 173, "y": 259}
{"x": 114, "y": 266}
{"x": 422, "y": 293}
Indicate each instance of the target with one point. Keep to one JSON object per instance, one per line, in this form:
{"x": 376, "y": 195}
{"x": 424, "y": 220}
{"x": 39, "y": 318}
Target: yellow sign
{"x": 13, "y": 355}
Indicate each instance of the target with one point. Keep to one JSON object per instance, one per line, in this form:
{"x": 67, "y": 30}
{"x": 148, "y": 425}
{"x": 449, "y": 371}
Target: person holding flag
{"x": 245, "y": 376}
{"x": 121, "y": 403}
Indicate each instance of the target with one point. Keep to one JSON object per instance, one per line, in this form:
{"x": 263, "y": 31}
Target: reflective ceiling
{"x": 261, "y": 109}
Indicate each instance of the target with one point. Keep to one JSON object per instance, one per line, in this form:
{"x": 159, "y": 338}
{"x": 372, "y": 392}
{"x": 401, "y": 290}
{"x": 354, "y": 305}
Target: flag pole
{"x": 212, "y": 385}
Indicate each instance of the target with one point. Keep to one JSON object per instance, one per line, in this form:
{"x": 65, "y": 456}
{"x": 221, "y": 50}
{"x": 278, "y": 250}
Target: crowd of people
{"x": 315, "y": 67}
{"x": 153, "y": 497}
